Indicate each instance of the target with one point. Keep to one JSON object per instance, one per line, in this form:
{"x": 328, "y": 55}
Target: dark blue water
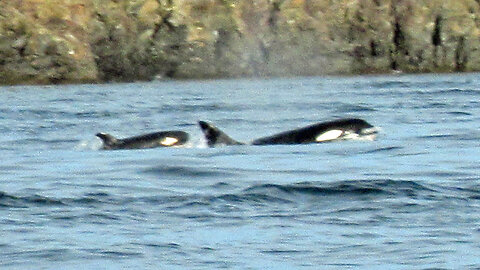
{"x": 410, "y": 199}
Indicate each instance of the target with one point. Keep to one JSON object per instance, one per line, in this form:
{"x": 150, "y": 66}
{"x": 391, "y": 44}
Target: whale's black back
{"x": 151, "y": 140}
{"x": 309, "y": 134}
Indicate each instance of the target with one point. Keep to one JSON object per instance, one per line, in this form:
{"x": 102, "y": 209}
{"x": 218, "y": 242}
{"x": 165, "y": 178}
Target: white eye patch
{"x": 168, "y": 141}
{"x": 329, "y": 135}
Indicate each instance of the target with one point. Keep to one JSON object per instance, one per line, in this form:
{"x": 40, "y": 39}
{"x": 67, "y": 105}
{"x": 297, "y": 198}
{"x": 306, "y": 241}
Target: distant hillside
{"x": 73, "y": 41}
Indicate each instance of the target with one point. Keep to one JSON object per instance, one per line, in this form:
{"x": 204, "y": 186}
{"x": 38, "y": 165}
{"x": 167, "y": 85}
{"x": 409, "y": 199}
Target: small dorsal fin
{"x": 107, "y": 138}
{"x": 215, "y": 136}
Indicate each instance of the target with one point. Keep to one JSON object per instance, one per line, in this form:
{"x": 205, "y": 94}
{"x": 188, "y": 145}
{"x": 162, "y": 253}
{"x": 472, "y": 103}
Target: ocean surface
{"x": 408, "y": 200}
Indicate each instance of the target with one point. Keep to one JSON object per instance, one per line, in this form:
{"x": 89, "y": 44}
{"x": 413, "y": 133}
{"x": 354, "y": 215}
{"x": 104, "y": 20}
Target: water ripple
{"x": 183, "y": 171}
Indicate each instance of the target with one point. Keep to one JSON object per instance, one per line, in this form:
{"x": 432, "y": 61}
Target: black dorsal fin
{"x": 107, "y": 139}
{"x": 215, "y": 136}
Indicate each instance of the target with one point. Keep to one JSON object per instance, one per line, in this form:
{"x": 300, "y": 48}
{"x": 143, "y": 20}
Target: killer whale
{"x": 150, "y": 140}
{"x": 342, "y": 129}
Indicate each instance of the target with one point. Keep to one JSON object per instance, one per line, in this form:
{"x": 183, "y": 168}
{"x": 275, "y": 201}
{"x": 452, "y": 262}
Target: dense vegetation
{"x": 65, "y": 41}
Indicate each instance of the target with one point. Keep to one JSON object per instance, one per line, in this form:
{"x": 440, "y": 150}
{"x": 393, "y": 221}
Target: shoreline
{"x": 96, "y": 41}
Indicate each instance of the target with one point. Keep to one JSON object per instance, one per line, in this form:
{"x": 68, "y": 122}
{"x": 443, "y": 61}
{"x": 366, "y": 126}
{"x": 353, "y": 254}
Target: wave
{"x": 354, "y": 188}
{"x": 396, "y": 84}
{"x": 451, "y": 91}
{"x": 473, "y": 136}
{"x": 383, "y": 149}
{"x": 354, "y": 108}
{"x": 258, "y": 194}
{"x": 184, "y": 171}
{"x": 8, "y": 200}
{"x": 459, "y": 113}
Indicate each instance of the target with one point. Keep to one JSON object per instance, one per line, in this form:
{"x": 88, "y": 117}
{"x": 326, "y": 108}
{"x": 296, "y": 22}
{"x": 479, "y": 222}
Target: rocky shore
{"x": 76, "y": 41}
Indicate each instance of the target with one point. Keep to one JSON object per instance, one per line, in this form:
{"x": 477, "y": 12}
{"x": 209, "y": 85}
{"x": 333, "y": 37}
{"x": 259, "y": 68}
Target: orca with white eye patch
{"x": 342, "y": 129}
{"x": 150, "y": 140}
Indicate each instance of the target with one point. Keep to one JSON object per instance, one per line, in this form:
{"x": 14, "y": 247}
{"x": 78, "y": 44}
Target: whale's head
{"x": 347, "y": 129}
{"x": 365, "y": 130}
